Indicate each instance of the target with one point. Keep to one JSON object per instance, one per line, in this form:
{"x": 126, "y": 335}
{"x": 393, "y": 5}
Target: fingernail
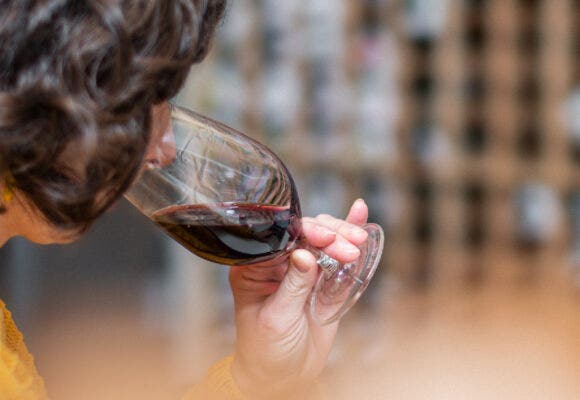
{"x": 300, "y": 260}
{"x": 359, "y": 201}
{"x": 326, "y": 231}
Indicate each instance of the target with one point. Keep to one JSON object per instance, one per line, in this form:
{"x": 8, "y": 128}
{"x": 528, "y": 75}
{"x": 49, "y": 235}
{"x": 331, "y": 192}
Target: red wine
{"x": 231, "y": 233}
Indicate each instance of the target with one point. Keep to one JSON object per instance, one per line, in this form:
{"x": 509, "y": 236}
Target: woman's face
{"x": 22, "y": 221}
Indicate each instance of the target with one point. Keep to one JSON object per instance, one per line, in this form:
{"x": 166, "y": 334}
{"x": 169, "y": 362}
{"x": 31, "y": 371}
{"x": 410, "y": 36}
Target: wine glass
{"x": 229, "y": 199}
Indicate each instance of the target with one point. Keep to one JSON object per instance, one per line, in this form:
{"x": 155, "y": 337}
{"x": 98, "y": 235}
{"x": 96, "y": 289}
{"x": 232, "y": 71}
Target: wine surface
{"x": 231, "y": 233}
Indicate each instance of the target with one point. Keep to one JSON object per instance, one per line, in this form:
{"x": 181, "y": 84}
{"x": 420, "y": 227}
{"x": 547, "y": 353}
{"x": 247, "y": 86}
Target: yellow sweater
{"x": 18, "y": 377}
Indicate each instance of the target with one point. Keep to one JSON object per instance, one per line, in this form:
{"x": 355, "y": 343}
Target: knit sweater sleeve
{"x": 220, "y": 385}
{"x": 19, "y": 379}
{"x": 217, "y": 385}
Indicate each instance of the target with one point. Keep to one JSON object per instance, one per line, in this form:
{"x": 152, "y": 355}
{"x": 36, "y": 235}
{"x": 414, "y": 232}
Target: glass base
{"x": 336, "y": 292}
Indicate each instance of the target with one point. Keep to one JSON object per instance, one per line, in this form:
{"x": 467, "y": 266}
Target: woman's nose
{"x": 161, "y": 149}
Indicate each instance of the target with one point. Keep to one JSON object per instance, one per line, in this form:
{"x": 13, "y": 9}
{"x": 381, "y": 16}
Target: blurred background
{"x": 458, "y": 122}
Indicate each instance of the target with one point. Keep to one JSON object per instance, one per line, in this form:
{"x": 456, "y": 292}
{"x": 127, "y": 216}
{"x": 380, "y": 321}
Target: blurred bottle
{"x": 538, "y": 213}
{"x": 571, "y": 120}
{"x": 423, "y": 193}
{"x": 279, "y": 84}
{"x": 281, "y": 99}
{"x": 429, "y": 145}
{"x": 230, "y": 93}
{"x": 426, "y": 18}
{"x": 574, "y": 213}
{"x": 377, "y": 95}
{"x": 530, "y": 140}
{"x": 282, "y": 32}
{"x": 475, "y": 198}
{"x": 324, "y": 33}
{"x": 384, "y": 199}
{"x": 324, "y": 192}
{"x": 476, "y": 136}
{"x": 327, "y": 92}
{"x": 239, "y": 24}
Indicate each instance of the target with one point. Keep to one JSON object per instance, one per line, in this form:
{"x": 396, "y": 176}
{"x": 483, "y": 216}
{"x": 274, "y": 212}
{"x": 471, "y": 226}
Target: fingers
{"x": 349, "y": 228}
{"x": 291, "y": 296}
{"x": 284, "y": 288}
{"x": 353, "y": 233}
{"x": 317, "y": 234}
{"x": 338, "y": 238}
{"x": 256, "y": 281}
{"x": 358, "y": 213}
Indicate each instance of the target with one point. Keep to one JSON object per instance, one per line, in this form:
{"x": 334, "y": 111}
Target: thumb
{"x": 297, "y": 284}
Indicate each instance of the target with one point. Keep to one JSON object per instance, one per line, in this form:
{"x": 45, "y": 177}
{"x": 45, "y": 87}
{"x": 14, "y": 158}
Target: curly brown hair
{"x": 77, "y": 82}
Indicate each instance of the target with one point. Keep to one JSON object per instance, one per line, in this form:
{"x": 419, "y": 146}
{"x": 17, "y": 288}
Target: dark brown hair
{"x": 77, "y": 82}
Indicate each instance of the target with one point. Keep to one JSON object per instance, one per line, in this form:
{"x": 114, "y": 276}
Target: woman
{"x": 83, "y": 85}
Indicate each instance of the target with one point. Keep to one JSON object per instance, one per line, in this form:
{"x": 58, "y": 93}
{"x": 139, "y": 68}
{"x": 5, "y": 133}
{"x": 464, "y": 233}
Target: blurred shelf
{"x": 446, "y": 99}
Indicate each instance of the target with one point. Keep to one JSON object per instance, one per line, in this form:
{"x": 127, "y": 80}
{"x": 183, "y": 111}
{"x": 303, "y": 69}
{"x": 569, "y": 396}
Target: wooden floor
{"x": 509, "y": 340}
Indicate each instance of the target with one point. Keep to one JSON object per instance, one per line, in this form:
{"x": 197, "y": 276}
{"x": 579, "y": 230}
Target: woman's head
{"x": 78, "y": 80}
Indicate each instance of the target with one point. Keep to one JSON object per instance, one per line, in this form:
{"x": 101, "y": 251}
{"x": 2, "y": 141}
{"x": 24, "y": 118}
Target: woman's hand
{"x": 279, "y": 347}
